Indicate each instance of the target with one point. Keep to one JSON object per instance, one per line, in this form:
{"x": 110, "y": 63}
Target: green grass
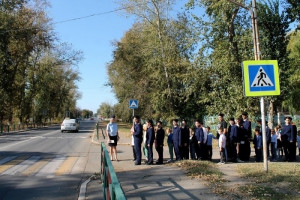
{"x": 262, "y": 192}
{"x": 281, "y": 182}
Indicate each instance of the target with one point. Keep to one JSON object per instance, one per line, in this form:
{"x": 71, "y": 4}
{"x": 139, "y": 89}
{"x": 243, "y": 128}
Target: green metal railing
{"x": 21, "y": 127}
{"x": 97, "y": 129}
{"x": 110, "y": 184}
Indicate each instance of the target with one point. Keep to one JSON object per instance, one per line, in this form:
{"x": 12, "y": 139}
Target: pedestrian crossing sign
{"x": 133, "y": 104}
{"x": 261, "y": 78}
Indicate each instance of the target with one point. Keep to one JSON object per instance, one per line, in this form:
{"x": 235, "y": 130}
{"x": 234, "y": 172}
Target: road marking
{"x": 32, "y": 138}
{"x": 12, "y": 163}
{"x": 66, "y": 166}
{"x": 36, "y": 166}
{"x": 79, "y": 165}
{"x": 49, "y": 169}
{"x": 7, "y": 159}
{"x": 22, "y": 166}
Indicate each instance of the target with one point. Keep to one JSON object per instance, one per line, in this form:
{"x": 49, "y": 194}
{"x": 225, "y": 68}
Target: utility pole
{"x": 257, "y": 56}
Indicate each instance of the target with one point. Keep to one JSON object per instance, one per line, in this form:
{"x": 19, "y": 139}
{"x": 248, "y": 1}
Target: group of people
{"x": 234, "y": 140}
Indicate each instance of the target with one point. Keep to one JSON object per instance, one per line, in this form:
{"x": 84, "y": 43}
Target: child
{"x": 258, "y": 145}
{"x": 170, "y": 144}
{"x": 298, "y": 141}
{"x": 273, "y": 145}
{"x": 132, "y": 144}
{"x": 193, "y": 142}
{"x": 145, "y": 149}
{"x": 210, "y": 136}
{"x": 279, "y": 144}
{"x": 222, "y": 145}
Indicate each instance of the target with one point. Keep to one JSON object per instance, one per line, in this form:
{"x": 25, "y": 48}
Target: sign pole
{"x": 263, "y": 127}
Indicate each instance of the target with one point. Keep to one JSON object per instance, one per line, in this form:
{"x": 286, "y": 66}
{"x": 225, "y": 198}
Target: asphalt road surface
{"x": 45, "y": 163}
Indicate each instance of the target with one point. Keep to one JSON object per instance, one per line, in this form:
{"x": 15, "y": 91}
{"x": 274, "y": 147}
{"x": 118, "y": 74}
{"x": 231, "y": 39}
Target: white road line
{"x": 50, "y": 169}
{"x": 22, "y": 166}
{"x": 7, "y": 159}
{"x": 14, "y": 144}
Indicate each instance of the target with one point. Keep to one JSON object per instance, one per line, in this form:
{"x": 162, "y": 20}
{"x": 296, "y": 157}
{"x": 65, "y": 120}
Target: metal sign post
{"x": 264, "y": 136}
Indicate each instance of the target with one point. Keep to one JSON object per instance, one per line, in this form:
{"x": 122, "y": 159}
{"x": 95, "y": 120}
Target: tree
{"x": 292, "y": 103}
{"x": 274, "y": 26}
{"x": 86, "y": 113}
{"x": 37, "y": 74}
{"x": 225, "y": 41}
{"x": 105, "y": 110}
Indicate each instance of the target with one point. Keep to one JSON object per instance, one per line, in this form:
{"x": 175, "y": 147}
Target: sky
{"x": 93, "y": 36}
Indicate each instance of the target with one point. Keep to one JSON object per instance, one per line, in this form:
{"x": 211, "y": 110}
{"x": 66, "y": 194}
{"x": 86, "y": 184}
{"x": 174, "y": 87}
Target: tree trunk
{"x": 271, "y": 115}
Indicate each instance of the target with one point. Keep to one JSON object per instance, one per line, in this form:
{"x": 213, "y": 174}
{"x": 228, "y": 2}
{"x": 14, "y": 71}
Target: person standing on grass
{"x": 159, "y": 142}
{"x": 258, "y": 145}
{"x": 279, "y": 143}
{"x": 288, "y": 137}
{"x": 298, "y": 141}
{"x": 222, "y": 124}
{"x": 193, "y": 143}
{"x": 149, "y": 141}
{"x": 273, "y": 145}
{"x": 222, "y": 145}
{"x": 210, "y": 138}
{"x": 145, "y": 148}
{"x": 133, "y": 151}
{"x": 248, "y": 135}
{"x": 113, "y": 137}
{"x": 233, "y": 139}
{"x": 138, "y": 138}
{"x": 199, "y": 134}
{"x": 176, "y": 139}
{"x": 170, "y": 144}
{"x": 185, "y": 136}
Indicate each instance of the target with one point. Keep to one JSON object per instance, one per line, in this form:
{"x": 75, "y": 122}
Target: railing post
{"x": 97, "y": 128}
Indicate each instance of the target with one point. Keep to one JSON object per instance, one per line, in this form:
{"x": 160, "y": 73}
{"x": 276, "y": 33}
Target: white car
{"x": 69, "y": 125}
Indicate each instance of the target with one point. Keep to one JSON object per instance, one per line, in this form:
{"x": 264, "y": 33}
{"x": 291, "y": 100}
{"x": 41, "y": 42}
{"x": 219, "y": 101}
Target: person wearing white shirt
{"x": 274, "y": 145}
{"x": 222, "y": 145}
{"x": 113, "y": 137}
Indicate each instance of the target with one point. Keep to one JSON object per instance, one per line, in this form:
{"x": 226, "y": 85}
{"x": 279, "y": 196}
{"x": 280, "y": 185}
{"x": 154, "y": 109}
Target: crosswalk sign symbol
{"x": 133, "y": 104}
{"x": 261, "y": 78}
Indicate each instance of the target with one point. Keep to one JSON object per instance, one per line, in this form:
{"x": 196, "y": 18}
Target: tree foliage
{"x": 37, "y": 79}
{"x": 202, "y": 56}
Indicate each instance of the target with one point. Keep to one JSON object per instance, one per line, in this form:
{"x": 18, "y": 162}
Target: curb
{"x": 83, "y": 188}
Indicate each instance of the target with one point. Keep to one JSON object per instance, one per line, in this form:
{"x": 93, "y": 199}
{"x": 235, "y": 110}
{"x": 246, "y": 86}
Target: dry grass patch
{"x": 206, "y": 171}
{"x": 281, "y": 182}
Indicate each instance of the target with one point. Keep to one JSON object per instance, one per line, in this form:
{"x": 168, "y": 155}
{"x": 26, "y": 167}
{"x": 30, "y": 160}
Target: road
{"x": 47, "y": 164}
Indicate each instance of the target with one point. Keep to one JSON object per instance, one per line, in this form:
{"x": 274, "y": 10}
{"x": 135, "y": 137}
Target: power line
{"x": 69, "y": 20}
{"x": 92, "y": 15}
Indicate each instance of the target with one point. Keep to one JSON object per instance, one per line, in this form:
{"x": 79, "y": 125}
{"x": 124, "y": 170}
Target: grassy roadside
{"x": 207, "y": 171}
{"x": 281, "y": 182}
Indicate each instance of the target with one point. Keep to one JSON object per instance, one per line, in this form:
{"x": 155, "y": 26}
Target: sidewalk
{"x": 154, "y": 181}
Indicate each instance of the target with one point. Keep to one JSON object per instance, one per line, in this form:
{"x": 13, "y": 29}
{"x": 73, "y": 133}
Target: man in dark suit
{"x": 288, "y": 136}
{"x": 176, "y": 138}
{"x": 248, "y": 135}
{"x": 199, "y": 134}
{"x": 185, "y": 139}
{"x": 138, "y": 138}
{"x": 159, "y": 142}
